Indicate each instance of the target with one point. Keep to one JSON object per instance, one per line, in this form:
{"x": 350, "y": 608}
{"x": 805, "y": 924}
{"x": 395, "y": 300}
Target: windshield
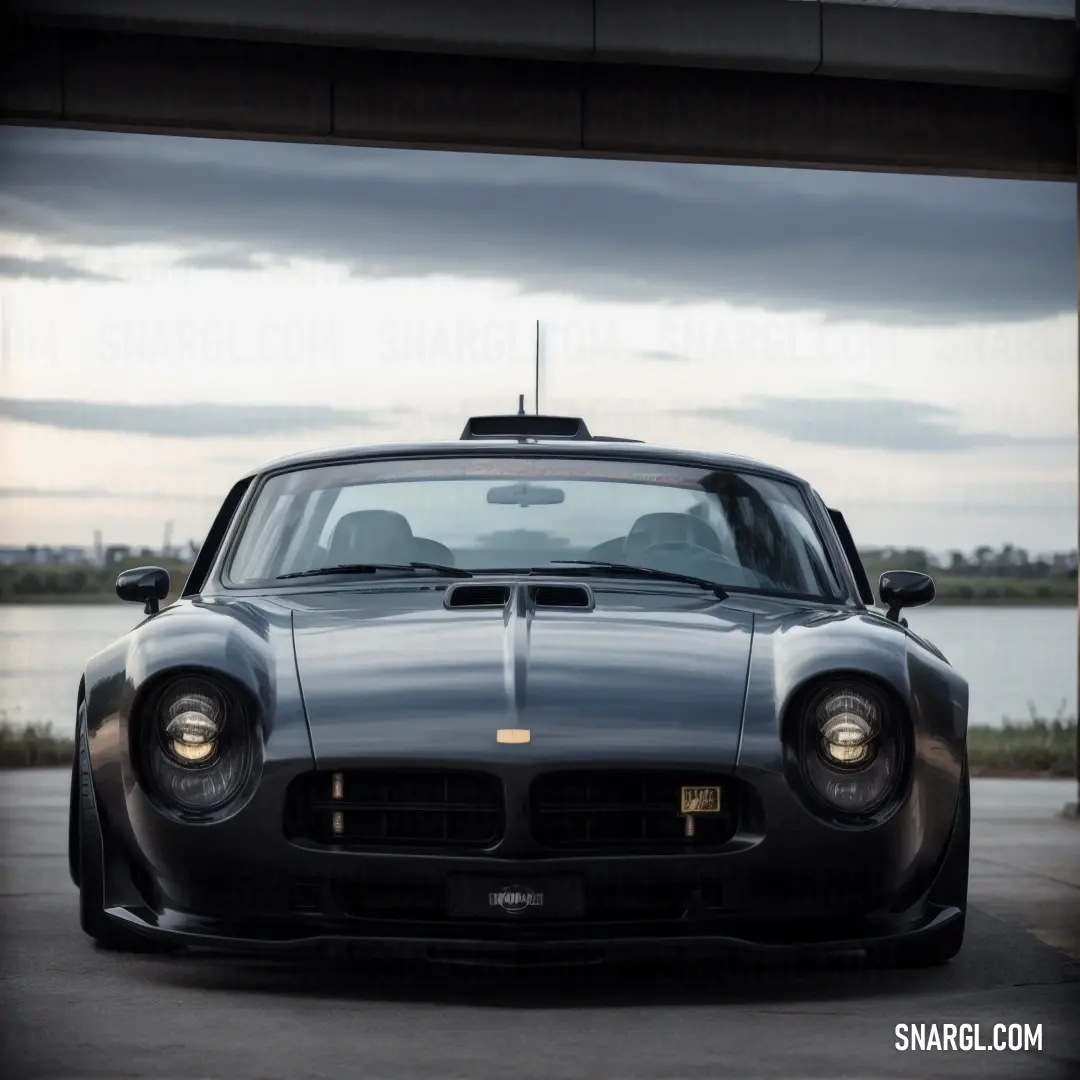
{"x": 738, "y": 530}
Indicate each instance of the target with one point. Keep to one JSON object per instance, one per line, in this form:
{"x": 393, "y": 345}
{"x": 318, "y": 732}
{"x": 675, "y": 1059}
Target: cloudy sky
{"x": 175, "y": 311}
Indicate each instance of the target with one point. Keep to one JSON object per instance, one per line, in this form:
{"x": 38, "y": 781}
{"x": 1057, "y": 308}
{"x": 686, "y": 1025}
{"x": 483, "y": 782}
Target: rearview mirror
{"x": 147, "y": 585}
{"x": 900, "y": 589}
{"x": 525, "y": 494}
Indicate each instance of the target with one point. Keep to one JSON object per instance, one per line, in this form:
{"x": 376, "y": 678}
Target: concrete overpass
{"x": 778, "y": 82}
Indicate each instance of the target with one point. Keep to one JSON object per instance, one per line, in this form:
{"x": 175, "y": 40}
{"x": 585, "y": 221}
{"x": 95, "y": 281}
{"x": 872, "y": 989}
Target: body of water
{"x": 1011, "y": 656}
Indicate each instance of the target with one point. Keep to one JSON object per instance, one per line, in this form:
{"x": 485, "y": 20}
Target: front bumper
{"x": 786, "y": 881}
{"x": 401, "y": 906}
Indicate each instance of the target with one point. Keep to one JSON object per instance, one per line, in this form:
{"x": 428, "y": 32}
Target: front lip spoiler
{"x": 570, "y": 949}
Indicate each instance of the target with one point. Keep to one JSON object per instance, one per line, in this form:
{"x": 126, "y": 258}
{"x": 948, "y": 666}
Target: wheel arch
{"x": 73, "y": 798}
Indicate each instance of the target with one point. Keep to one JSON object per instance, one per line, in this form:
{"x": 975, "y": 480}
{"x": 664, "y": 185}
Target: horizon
{"x": 180, "y": 546}
{"x": 176, "y": 311}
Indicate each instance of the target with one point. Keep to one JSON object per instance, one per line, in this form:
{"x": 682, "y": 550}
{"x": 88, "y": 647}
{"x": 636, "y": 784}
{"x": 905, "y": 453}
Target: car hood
{"x": 398, "y": 676}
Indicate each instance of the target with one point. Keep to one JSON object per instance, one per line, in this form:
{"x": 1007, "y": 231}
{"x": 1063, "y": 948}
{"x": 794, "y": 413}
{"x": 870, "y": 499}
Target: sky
{"x": 176, "y": 311}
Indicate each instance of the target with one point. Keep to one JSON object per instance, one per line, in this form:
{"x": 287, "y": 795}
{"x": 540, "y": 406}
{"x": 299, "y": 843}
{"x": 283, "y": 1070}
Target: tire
{"x": 86, "y": 856}
{"x": 950, "y": 889}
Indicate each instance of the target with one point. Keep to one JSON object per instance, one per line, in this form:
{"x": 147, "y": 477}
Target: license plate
{"x": 514, "y": 898}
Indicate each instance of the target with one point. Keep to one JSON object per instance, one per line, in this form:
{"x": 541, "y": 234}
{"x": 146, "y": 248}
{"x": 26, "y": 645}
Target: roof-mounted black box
{"x": 525, "y": 427}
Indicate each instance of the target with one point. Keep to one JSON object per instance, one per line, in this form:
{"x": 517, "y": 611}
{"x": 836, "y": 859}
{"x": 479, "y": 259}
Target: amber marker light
{"x": 513, "y": 735}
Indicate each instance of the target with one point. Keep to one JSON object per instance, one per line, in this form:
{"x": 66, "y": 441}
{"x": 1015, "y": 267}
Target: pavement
{"x": 1025, "y": 862}
{"x": 70, "y": 1011}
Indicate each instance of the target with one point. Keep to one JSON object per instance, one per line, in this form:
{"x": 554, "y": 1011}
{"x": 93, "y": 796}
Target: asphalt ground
{"x": 70, "y": 1011}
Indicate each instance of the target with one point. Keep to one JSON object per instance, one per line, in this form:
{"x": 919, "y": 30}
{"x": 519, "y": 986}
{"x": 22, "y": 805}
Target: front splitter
{"x": 176, "y": 929}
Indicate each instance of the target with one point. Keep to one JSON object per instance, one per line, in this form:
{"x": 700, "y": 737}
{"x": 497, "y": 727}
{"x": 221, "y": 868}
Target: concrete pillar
{"x": 1074, "y": 808}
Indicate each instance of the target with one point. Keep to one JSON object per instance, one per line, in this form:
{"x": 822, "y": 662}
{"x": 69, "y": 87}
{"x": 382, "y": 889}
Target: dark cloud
{"x": 867, "y": 246}
{"x": 190, "y": 421}
{"x": 881, "y": 423}
{"x": 220, "y": 260}
{"x": 102, "y": 493}
{"x": 12, "y": 266}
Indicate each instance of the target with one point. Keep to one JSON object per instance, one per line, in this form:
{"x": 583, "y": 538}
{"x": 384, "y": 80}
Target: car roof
{"x": 597, "y": 448}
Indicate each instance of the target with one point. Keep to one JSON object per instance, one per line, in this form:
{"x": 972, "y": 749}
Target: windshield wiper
{"x": 645, "y": 572}
{"x": 371, "y": 568}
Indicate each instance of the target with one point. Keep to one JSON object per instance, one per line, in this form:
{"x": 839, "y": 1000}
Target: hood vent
{"x": 561, "y": 596}
{"x": 473, "y": 594}
{"x": 469, "y": 595}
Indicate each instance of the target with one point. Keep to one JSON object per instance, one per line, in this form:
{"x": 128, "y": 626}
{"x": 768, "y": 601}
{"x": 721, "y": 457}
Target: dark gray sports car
{"x": 534, "y": 695}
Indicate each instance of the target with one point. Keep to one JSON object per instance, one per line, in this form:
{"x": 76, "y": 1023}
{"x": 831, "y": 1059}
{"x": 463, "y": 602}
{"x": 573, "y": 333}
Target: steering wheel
{"x": 690, "y": 548}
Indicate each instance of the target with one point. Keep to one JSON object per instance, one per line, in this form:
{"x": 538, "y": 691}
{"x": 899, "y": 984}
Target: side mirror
{"x": 147, "y": 585}
{"x": 900, "y": 589}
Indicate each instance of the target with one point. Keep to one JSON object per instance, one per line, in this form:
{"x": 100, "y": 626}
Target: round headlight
{"x": 850, "y": 747}
{"x": 203, "y": 747}
{"x": 193, "y": 721}
{"x": 848, "y": 724}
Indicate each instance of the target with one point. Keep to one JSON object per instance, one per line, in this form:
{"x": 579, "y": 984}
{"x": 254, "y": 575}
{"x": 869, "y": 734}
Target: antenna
{"x": 521, "y": 405}
{"x": 537, "y": 367}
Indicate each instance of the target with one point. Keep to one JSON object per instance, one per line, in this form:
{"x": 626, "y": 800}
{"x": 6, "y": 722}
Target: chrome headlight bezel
{"x": 839, "y": 715}
{"x": 190, "y": 702}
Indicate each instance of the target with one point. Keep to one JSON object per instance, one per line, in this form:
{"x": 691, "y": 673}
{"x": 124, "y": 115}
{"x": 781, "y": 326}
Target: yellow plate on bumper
{"x": 700, "y": 800}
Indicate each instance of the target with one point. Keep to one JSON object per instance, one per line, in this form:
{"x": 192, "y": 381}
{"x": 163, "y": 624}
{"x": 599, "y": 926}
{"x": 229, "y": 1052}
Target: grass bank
{"x": 997, "y": 587}
{"x": 22, "y": 584}
{"x": 33, "y": 746}
{"x": 1038, "y": 747}
{"x": 982, "y": 591}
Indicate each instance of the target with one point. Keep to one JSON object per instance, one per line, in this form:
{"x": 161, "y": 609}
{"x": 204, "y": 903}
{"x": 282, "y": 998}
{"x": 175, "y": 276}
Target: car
{"x": 529, "y": 696}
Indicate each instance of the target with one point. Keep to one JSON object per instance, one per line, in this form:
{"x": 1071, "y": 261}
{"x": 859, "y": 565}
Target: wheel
{"x": 950, "y": 889}
{"x": 86, "y": 856}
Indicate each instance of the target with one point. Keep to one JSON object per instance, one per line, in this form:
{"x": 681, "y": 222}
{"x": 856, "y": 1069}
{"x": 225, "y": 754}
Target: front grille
{"x": 625, "y": 810}
{"x": 381, "y": 808}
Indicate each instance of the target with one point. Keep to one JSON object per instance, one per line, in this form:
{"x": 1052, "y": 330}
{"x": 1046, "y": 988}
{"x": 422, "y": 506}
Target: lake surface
{"x": 1011, "y": 656}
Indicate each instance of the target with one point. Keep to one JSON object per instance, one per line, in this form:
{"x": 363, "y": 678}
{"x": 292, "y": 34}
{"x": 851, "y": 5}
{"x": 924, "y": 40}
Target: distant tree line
{"x": 21, "y": 582}
{"x": 1006, "y": 575}
{"x": 986, "y": 575}
{"x": 1015, "y": 563}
